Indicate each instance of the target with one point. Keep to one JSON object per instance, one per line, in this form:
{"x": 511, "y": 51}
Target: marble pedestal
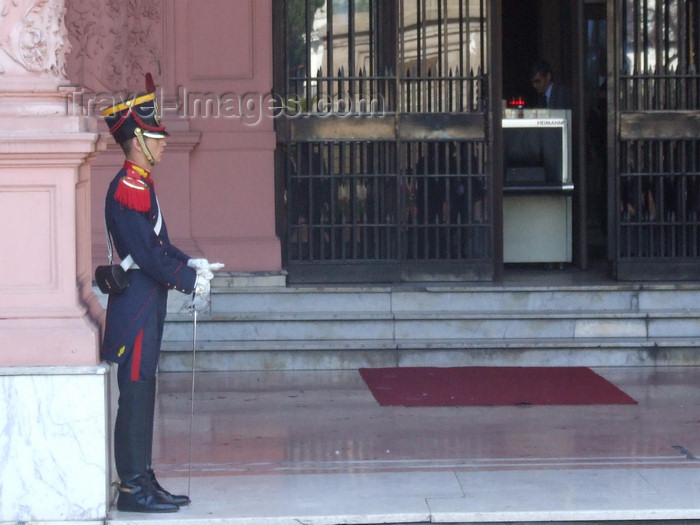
{"x": 54, "y": 457}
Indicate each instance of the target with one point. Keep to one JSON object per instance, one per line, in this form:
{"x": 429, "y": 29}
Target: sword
{"x": 212, "y": 267}
{"x": 194, "y": 352}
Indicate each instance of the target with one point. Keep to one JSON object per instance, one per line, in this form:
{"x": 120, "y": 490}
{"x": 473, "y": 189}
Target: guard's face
{"x": 156, "y": 147}
{"x": 541, "y": 83}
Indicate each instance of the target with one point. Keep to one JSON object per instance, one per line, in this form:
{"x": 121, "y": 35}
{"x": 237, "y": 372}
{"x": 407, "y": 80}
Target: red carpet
{"x": 491, "y": 386}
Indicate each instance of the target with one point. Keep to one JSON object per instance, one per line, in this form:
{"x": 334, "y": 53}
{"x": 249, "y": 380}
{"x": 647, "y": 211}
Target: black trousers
{"x": 136, "y": 377}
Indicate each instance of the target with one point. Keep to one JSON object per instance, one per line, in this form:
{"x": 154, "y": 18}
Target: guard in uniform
{"x": 135, "y": 316}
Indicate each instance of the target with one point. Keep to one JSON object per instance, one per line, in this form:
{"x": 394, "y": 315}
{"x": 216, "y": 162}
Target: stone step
{"x": 271, "y": 326}
{"x": 308, "y": 326}
{"x": 352, "y": 354}
{"x": 619, "y": 297}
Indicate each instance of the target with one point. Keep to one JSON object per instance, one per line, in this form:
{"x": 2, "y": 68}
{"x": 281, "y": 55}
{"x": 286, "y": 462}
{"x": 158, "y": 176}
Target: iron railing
{"x": 658, "y": 160}
{"x": 384, "y": 133}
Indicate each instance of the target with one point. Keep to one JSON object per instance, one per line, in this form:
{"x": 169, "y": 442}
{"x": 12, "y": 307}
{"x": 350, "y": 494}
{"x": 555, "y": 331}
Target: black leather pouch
{"x": 111, "y": 279}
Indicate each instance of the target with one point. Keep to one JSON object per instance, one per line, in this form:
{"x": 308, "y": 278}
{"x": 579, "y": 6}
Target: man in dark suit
{"x": 136, "y": 315}
{"x": 550, "y": 95}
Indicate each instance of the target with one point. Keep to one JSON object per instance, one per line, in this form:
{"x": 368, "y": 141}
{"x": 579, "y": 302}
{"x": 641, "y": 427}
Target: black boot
{"x": 137, "y": 495}
{"x": 132, "y": 449}
{"x": 164, "y": 495}
{"x": 150, "y": 475}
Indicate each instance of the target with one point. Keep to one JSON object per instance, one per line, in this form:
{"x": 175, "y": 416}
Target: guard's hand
{"x": 203, "y": 265}
{"x": 202, "y": 286}
{"x": 197, "y": 303}
{"x": 200, "y": 303}
{"x": 205, "y": 274}
{"x": 198, "y": 264}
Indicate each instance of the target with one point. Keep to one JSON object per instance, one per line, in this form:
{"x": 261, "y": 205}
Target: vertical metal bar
{"x": 354, "y": 214}
{"x": 333, "y": 183}
{"x": 426, "y": 213}
{"x": 293, "y": 204}
{"x": 425, "y": 70}
{"x": 684, "y": 47}
{"x": 401, "y": 57}
{"x": 393, "y": 229}
{"x": 311, "y": 219}
{"x": 661, "y": 68}
{"x": 460, "y": 74}
{"x": 616, "y": 16}
{"x": 657, "y": 181}
{"x": 694, "y": 195}
{"x": 447, "y": 219}
{"x": 373, "y": 56}
{"x": 642, "y": 41}
{"x": 485, "y": 17}
{"x": 682, "y": 198}
{"x": 637, "y": 68}
{"x": 330, "y": 47}
{"x": 308, "y": 23}
{"x": 495, "y": 159}
{"x": 284, "y": 63}
{"x": 352, "y": 66}
{"x": 427, "y": 81}
{"x": 671, "y": 212}
{"x": 465, "y": 159}
{"x": 343, "y": 206}
{"x": 439, "y": 70}
{"x": 376, "y": 208}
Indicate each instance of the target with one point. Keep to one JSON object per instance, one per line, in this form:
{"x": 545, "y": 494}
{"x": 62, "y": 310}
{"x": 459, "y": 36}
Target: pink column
{"x": 52, "y": 384}
{"x": 45, "y": 271}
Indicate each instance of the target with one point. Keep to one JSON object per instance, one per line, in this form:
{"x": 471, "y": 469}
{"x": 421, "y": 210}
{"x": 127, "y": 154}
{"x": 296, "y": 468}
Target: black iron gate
{"x": 383, "y": 157}
{"x": 655, "y": 159}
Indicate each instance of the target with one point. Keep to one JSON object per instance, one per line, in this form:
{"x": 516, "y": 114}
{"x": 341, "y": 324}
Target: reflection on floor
{"x": 315, "y": 447}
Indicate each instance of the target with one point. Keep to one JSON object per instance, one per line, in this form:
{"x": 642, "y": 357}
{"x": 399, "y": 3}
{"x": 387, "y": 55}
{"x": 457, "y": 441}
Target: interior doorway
{"x": 571, "y": 36}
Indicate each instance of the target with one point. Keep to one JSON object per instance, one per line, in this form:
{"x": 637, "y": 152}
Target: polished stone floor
{"x": 314, "y": 447}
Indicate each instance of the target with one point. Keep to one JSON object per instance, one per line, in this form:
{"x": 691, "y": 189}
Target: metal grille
{"x": 383, "y": 138}
{"x": 350, "y": 201}
{"x": 658, "y": 161}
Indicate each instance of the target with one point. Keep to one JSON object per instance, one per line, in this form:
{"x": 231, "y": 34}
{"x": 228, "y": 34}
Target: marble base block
{"x": 54, "y": 462}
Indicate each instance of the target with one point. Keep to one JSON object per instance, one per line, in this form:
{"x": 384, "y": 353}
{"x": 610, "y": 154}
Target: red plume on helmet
{"x": 150, "y": 84}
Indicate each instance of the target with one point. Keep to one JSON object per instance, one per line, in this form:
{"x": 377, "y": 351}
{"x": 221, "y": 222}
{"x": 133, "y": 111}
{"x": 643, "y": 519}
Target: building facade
{"x": 328, "y": 141}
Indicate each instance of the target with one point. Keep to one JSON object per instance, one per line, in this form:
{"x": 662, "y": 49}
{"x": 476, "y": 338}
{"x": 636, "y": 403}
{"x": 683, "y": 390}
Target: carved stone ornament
{"x": 34, "y": 37}
{"x": 115, "y": 43}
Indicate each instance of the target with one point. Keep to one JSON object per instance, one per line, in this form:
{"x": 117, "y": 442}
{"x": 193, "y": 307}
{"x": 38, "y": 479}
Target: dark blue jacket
{"x": 559, "y": 98}
{"x": 162, "y": 267}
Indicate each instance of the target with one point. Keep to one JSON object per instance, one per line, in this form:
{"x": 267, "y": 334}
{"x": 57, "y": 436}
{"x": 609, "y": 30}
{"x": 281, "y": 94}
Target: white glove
{"x": 202, "y": 286}
{"x": 204, "y": 265}
{"x": 199, "y": 303}
{"x": 205, "y": 274}
{"x": 198, "y": 264}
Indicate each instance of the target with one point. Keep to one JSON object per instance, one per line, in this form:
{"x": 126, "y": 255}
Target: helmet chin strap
{"x": 144, "y": 148}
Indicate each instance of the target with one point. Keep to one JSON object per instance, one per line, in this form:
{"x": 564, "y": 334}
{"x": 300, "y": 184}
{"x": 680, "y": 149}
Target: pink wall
{"x": 216, "y": 184}
{"x": 46, "y": 297}
{"x": 225, "y": 48}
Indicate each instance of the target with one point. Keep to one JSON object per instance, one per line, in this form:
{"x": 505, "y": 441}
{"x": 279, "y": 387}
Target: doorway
{"x": 571, "y": 37}
{"x": 384, "y": 168}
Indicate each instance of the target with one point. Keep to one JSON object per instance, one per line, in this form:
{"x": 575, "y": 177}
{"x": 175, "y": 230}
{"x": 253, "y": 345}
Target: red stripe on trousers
{"x": 136, "y": 357}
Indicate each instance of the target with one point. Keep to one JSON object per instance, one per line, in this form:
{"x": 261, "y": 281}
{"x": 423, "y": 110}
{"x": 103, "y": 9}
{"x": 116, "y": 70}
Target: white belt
{"x": 129, "y": 264}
